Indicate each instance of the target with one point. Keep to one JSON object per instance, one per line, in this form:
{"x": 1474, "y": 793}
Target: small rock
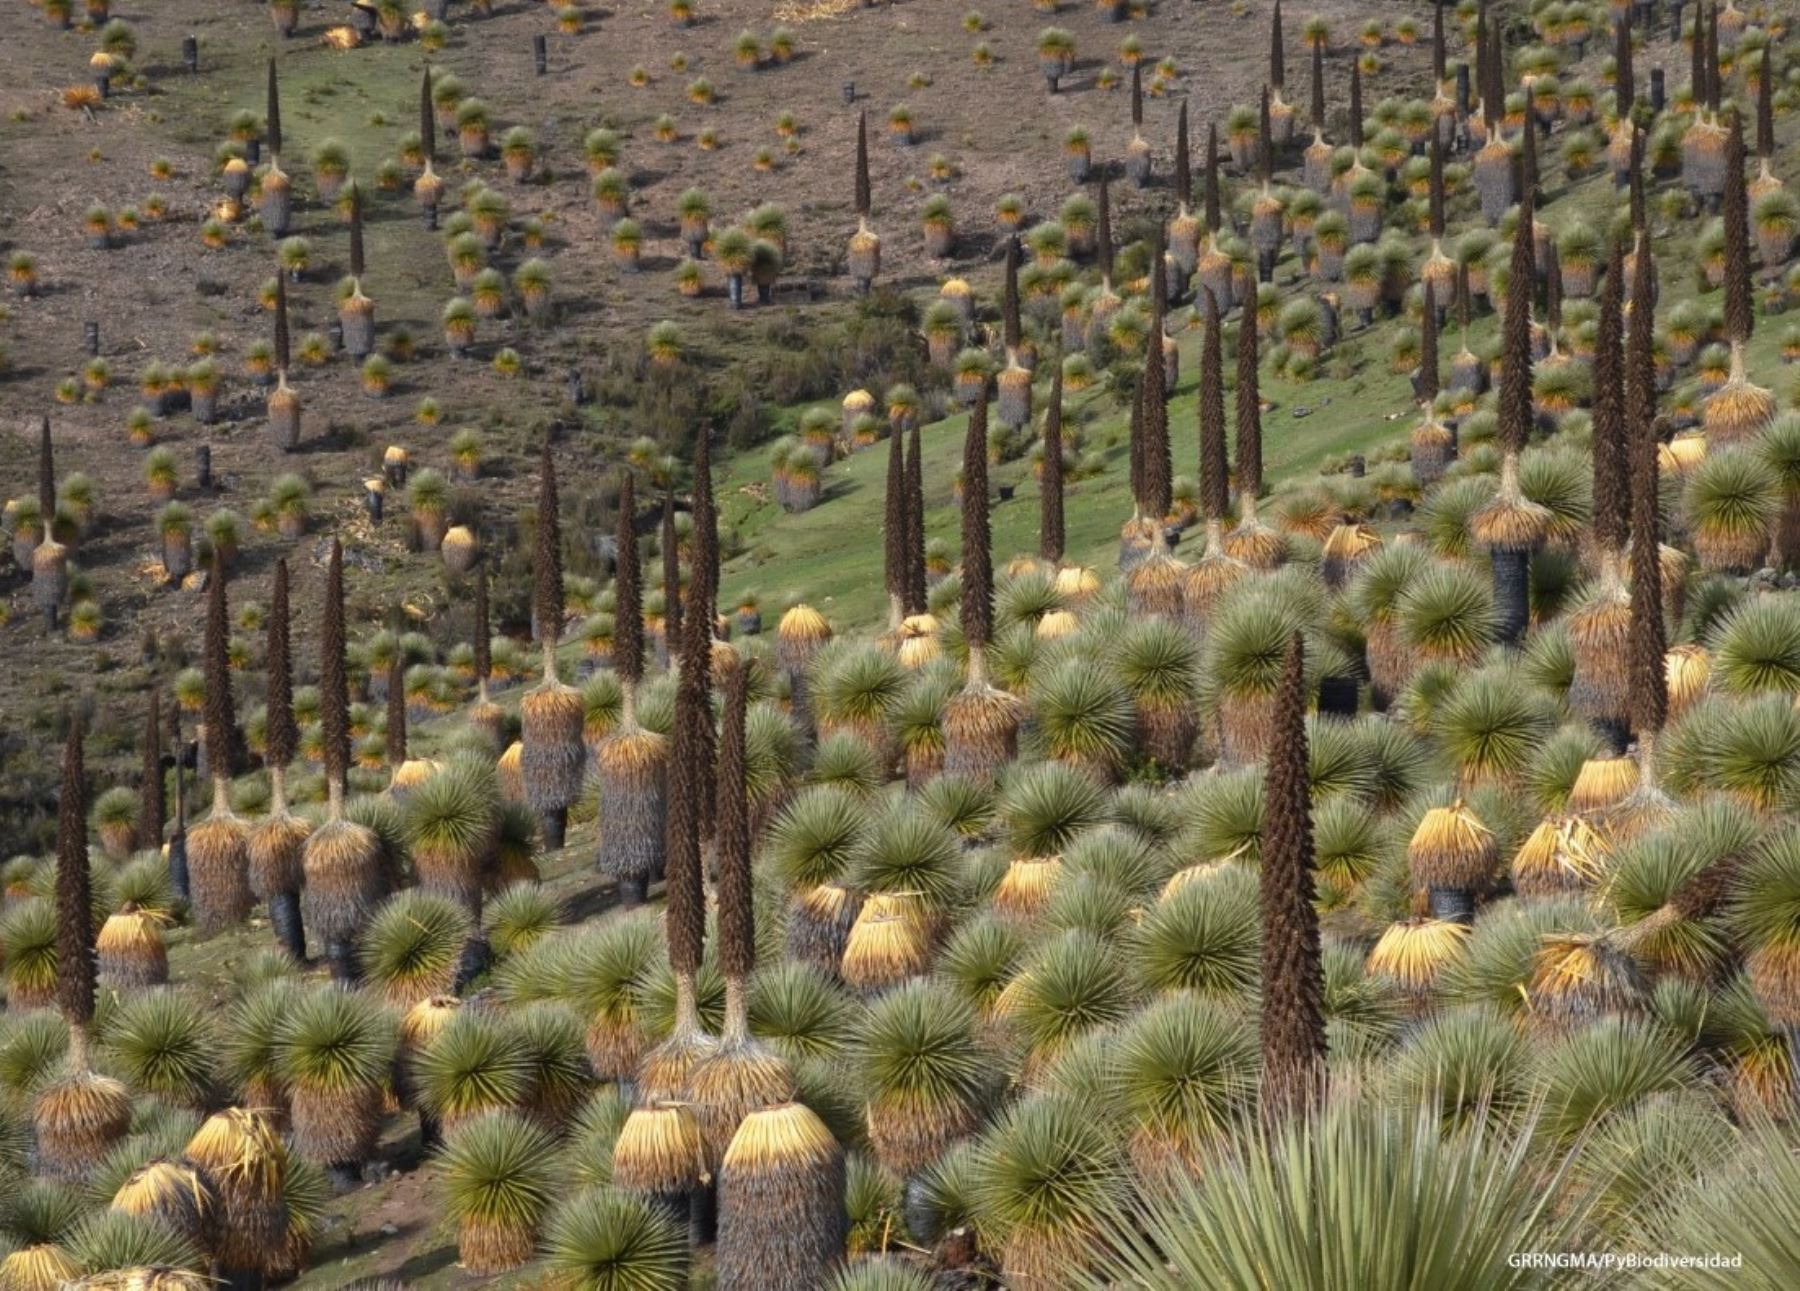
{"x": 1302, "y": 411}
{"x": 390, "y": 1230}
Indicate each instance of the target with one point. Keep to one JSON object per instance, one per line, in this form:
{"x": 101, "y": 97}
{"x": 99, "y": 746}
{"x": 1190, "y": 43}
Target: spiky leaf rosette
{"x": 252, "y": 1027}
{"x": 883, "y": 1273}
{"x": 735, "y": 1082}
{"x": 1046, "y": 1179}
{"x": 1158, "y": 665}
{"x": 782, "y": 1221}
{"x": 1731, "y": 503}
{"x": 1765, "y": 914}
{"x": 452, "y": 820}
{"x": 1046, "y": 806}
{"x": 335, "y": 1055}
{"x": 606, "y": 1238}
{"x": 163, "y": 1043}
{"x": 246, "y": 1161}
{"x": 174, "y": 1194}
{"x": 412, "y": 945}
{"x": 1084, "y": 719}
{"x": 1240, "y": 1220}
{"x": 1186, "y": 1071}
{"x": 916, "y": 1054}
{"x": 500, "y": 1179}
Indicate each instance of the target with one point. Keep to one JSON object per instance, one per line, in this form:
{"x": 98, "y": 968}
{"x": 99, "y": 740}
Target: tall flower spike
{"x": 977, "y": 553}
{"x": 1439, "y": 67}
{"x": 1050, "y": 515}
{"x": 1714, "y": 90}
{"x": 1292, "y": 1016}
{"x": 484, "y": 646}
{"x": 1612, "y": 499}
{"x": 46, "y": 477}
{"x": 151, "y": 798}
{"x": 1625, "y": 76}
{"x": 395, "y": 744}
{"x": 283, "y": 357}
{"x": 1011, "y": 326}
{"x": 281, "y": 738}
{"x": 1765, "y": 106}
{"x": 1435, "y": 210}
{"x": 686, "y": 912}
{"x": 1697, "y": 78}
{"x": 915, "y": 523}
{"x": 1528, "y": 160}
{"x": 1184, "y": 184}
{"x": 1157, "y": 468}
{"x": 703, "y": 603}
{"x": 1427, "y": 390}
{"x": 1488, "y": 114}
{"x": 547, "y": 582}
{"x": 334, "y": 686}
{"x": 274, "y": 112}
{"x": 1277, "y": 55}
{"x": 222, "y": 735}
{"x": 1635, "y": 179}
{"x": 1215, "y": 484}
{"x": 1515, "y": 345}
{"x": 671, "y": 563}
{"x": 1211, "y": 178}
{"x": 1740, "y": 318}
{"x": 737, "y": 927}
{"x": 862, "y": 164}
{"x": 1317, "y": 105}
{"x": 357, "y": 262}
{"x": 893, "y": 528}
{"x": 1103, "y": 240}
{"x": 1265, "y": 142}
{"x": 628, "y": 591}
{"x": 427, "y": 119}
{"x": 1648, "y": 683}
{"x": 74, "y": 907}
